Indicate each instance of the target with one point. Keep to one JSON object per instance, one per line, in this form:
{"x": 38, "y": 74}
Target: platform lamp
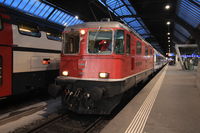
{"x": 167, "y": 6}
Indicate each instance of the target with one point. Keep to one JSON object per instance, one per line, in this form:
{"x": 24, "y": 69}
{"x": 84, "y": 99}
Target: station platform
{"x": 169, "y": 103}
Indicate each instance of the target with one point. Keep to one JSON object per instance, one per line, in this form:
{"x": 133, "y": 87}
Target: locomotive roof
{"x": 113, "y": 24}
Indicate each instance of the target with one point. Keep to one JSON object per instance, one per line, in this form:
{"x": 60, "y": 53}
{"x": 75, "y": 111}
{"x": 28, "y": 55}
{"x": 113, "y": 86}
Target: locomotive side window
{"x": 54, "y": 36}
{"x": 146, "y": 50}
{"x": 128, "y": 44}
{"x": 30, "y": 31}
{"x": 119, "y": 42}
{"x": 100, "y": 41}
{"x": 138, "y": 47}
{"x": 151, "y": 51}
{"x": 71, "y": 42}
{"x": 1, "y": 24}
{"x": 1, "y": 71}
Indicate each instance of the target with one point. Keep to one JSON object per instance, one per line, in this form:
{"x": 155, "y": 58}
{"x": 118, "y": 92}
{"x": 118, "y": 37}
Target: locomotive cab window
{"x": 1, "y": 70}
{"x": 28, "y": 30}
{"x": 138, "y": 47}
{"x": 71, "y": 42}
{"x": 1, "y": 23}
{"x": 54, "y": 36}
{"x": 119, "y": 42}
{"x": 100, "y": 41}
{"x": 128, "y": 44}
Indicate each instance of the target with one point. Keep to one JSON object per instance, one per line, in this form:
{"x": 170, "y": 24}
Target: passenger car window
{"x": 28, "y": 30}
{"x": 54, "y": 36}
{"x": 119, "y": 42}
{"x": 1, "y": 70}
{"x": 128, "y": 44}
{"x": 1, "y": 24}
{"x": 71, "y": 42}
{"x": 138, "y": 47}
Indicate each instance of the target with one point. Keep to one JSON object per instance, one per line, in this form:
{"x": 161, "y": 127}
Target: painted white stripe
{"x": 141, "y": 120}
{"x": 141, "y": 116}
{"x": 108, "y": 80}
{"x": 138, "y": 123}
{"x": 145, "y": 111}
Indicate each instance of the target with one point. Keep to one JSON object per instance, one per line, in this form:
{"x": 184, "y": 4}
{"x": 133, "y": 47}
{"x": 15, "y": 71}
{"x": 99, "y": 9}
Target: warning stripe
{"x": 140, "y": 119}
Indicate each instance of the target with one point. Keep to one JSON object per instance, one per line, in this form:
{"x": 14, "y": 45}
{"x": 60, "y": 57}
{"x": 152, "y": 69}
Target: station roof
{"x": 147, "y": 17}
{"x": 43, "y": 10}
{"x": 125, "y": 11}
{"x": 188, "y": 11}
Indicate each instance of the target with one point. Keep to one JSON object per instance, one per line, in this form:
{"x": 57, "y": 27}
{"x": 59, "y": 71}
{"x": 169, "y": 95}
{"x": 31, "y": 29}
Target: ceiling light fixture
{"x": 76, "y": 17}
{"x": 167, "y": 7}
{"x": 168, "y": 33}
{"x": 168, "y": 40}
{"x": 168, "y": 23}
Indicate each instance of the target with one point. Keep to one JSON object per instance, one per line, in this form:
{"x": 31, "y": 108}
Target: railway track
{"x": 65, "y": 122}
{"x": 59, "y": 121}
{"x": 73, "y": 123}
{"x": 68, "y": 123}
{"x": 15, "y": 115}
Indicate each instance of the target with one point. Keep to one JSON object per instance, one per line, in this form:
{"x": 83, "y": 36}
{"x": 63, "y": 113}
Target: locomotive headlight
{"x": 103, "y": 75}
{"x": 65, "y": 73}
{"x": 82, "y": 32}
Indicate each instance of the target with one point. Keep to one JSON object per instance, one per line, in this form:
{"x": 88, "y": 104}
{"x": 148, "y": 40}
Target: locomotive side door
{"x": 133, "y": 53}
{"x": 128, "y": 52}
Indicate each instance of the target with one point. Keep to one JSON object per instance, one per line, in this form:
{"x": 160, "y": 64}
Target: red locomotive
{"x": 99, "y": 62}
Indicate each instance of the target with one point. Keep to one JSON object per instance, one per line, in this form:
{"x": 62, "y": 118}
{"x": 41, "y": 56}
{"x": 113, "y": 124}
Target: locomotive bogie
{"x": 84, "y": 96}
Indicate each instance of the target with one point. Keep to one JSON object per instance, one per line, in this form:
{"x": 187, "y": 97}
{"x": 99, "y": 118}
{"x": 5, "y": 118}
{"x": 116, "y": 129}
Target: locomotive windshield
{"x": 100, "y": 41}
{"x": 71, "y": 42}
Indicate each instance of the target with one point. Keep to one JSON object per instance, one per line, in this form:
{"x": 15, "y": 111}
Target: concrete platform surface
{"x": 170, "y": 103}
